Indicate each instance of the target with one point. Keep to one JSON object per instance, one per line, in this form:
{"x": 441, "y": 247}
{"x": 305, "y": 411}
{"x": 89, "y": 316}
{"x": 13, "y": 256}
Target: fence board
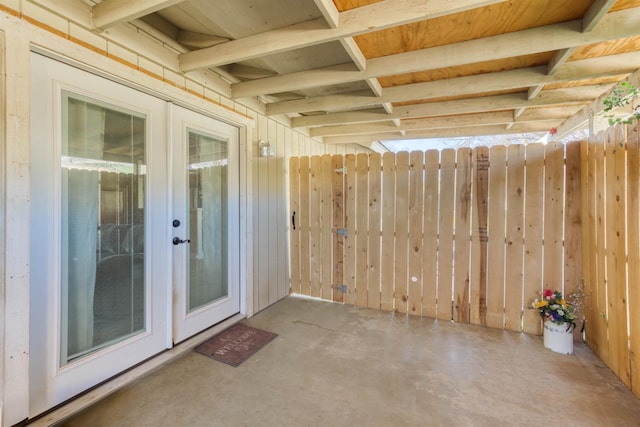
{"x": 401, "y": 273}
{"x": 325, "y": 226}
{"x": 294, "y": 203}
{"x": 373, "y": 273}
{"x": 462, "y": 230}
{"x": 480, "y": 192}
{"x": 600, "y": 296}
{"x": 314, "y": 220}
{"x": 534, "y": 214}
{"x": 573, "y": 277}
{"x": 553, "y": 212}
{"x": 305, "y": 278}
{"x": 514, "y": 238}
{"x": 362, "y": 228}
{"x": 430, "y": 233}
{"x": 350, "y": 223}
{"x": 388, "y": 231}
{"x": 337, "y": 194}
{"x": 445, "y": 234}
{"x": 587, "y": 157}
{"x": 612, "y": 261}
{"x": 633, "y": 229}
{"x": 416, "y": 206}
{"x": 496, "y": 237}
{"x": 619, "y": 253}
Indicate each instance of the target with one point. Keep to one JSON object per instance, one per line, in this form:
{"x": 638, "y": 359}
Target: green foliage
{"x": 623, "y": 94}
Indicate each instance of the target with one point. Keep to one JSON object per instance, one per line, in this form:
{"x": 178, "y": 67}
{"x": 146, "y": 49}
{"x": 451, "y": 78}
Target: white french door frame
{"x": 244, "y": 125}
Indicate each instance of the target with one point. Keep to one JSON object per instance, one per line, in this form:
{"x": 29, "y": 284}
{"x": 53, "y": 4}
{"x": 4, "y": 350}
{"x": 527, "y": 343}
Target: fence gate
{"x": 465, "y": 235}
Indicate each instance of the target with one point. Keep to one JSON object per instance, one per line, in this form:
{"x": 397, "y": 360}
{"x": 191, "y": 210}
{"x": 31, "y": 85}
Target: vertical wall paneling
{"x": 294, "y": 204}
{"x": 445, "y": 234}
{"x": 373, "y": 268}
{"x": 402, "y": 232}
{"x": 337, "y": 200}
{"x": 480, "y": 199}
{"x": 274, "y": 216}
{"x": 533, "y": 233}
{"x": 326, "y": 242}
{"x": 416, "y": 206}
{"x": 262, "y": 220}
{"x": 388, "y": 231}
{"x": 496, "y": 237}
{"x": 282, "y": 284}
{"x": 573, "y": 277}
{"x": 350, "y": 224}
{"x": 430, "y": 232}
{"x": 361, "y": 233}
{"x": 462, "y": 229}
{"x": 514, "y": 238}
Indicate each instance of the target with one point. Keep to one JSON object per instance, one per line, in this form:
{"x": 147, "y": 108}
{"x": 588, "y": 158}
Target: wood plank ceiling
{"x": 368, "y": 70}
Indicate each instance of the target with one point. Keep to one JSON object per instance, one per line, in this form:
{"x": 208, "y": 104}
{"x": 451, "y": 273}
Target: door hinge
{"x": 341, "y": 170}
{"x": 341, "y": 288}
{"x": 341, "y": 232}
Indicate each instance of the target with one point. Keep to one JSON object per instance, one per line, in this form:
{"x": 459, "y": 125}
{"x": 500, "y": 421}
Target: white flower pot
{"x": 557, "y": 338}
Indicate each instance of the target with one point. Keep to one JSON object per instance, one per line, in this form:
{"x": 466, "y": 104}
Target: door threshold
{"x": 90, "y": 397}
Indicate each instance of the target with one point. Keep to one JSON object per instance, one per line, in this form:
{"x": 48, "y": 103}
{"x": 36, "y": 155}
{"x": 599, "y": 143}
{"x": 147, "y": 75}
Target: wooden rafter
{"x": 504, "y": 80}
{"x": 361, "y": 20}
{"x": 548, "y": 98}
{"x": 113, "y": 12}
{"x": 551, "y": 37}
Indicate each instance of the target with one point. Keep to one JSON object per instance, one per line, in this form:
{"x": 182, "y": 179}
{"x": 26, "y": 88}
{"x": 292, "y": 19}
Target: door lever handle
{"x": 177, "y": 241}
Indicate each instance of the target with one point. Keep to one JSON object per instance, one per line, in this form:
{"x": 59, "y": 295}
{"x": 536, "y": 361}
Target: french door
{"x": 206, "y": 211}
{"x": 116, "y": 175}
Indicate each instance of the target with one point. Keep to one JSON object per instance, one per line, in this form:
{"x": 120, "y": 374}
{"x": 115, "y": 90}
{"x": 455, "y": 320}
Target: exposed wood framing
{"x": 552, "y": 37}
{"x": 547, "y": 98}
{"x": 110, "y": 13}
{"x": 374, "y": 17}
{"x": 504, "y": 80}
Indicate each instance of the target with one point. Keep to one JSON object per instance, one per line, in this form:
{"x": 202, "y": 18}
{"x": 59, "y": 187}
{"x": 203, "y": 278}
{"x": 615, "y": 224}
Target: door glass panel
{"x": 102, "y": 225}
{"x": 208, "y": 168}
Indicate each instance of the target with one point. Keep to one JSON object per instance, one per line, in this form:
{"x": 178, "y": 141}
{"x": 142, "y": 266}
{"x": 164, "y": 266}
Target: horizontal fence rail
{"x": 469, "y": 235}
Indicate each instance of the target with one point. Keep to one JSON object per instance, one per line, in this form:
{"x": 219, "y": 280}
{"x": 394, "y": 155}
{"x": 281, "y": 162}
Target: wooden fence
{"x": 611, "y": 189}
{"x": 470, "y": 235}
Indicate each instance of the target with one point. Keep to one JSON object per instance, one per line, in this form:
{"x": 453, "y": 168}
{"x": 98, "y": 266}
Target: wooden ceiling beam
{"x": 566, "y": 96}
{"x": 615, "y": 25}
{"x": 533, "y": 127}
{"x": 110, "y": 13}
{"x": 595, "y": 14}
{"x": 329, "y": 11}
{"x": 592, "y": 68}
{"x": 466, "y": 120}
{"x": 352, "y": 49}
{"x": 361, "y": 20}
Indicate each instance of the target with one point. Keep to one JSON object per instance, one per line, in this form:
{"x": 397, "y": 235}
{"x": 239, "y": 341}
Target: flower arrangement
{"x": 553, "y": 307}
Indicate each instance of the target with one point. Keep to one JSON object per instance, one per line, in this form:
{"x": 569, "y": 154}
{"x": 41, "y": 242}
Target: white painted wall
{"x": 145, "y": 60}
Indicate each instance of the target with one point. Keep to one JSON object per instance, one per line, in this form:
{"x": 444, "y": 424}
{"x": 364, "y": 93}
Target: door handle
{"x": 177, "y": 241}
{"x": 293, "y": 220}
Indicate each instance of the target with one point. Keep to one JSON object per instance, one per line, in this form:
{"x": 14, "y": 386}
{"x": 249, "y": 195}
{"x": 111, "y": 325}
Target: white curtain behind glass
{"x": 81, "y": 193}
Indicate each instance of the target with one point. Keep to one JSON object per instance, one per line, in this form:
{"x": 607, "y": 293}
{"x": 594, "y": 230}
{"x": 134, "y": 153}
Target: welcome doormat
{"x": 236, "y": 344}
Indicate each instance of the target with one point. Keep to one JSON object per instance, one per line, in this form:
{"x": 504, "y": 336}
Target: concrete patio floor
{"x": 336, "y": 365}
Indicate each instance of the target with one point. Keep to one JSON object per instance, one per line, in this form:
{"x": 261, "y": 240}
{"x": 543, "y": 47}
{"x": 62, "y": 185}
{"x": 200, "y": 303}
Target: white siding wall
{"x": 144, "y": 59}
